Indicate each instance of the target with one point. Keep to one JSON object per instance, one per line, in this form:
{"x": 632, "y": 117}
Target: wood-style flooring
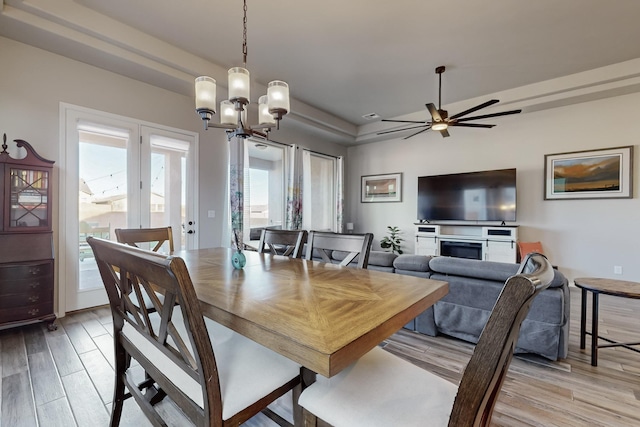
{"x": 65, "y": 377}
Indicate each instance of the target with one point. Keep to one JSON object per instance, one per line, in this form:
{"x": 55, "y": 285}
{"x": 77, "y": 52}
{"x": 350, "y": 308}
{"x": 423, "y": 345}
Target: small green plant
{"x": 392, "y": 241}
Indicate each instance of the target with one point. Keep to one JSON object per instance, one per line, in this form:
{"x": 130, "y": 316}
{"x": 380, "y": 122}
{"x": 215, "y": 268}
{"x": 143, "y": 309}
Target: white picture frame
{"x": 381, "y": 188}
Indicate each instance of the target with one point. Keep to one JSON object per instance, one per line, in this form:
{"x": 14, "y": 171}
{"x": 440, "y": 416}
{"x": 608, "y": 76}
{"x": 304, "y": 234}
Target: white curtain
{"x": 322, "y": 192}
{"x": 307, "y": 192}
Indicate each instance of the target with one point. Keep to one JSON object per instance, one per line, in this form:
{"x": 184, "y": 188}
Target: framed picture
{"x": 381, "y": 188}
{"x": 594, "y": 174}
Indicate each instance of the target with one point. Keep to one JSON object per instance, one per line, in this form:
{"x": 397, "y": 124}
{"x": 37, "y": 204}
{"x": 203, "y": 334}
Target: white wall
{"x": 582, "y": 237}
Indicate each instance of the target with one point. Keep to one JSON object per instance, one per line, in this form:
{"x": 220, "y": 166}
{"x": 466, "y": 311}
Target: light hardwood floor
{"x": 65, "y": 377}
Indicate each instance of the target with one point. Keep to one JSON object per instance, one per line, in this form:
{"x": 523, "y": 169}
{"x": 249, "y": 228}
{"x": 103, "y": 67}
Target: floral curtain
{"x": 236, "y": 191}
{"x": 293, "y": 216}
{"x": 339, "y": 194}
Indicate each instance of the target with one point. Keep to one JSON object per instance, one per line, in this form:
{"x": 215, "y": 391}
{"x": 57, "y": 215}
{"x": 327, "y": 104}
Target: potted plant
{"x": 392, "y": 241}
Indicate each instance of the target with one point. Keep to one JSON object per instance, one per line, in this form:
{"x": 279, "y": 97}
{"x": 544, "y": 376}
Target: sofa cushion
{"x": 381, "y": 258}
{"x": 418, "y": 263}
{"x": 547, "y": 307}
{"x": 490, "y": 270}
{"x": 499, "y": 271}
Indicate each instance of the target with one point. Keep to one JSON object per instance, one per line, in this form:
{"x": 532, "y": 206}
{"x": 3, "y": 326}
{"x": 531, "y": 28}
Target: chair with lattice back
{"x": 155, "y": 238}
{"x": 214, "y": 375}
{"x": 323, "y": 244}
{"x": 158, "y": 239}
{"x": 381, "y": 389}
{"x": 282, "y": 242}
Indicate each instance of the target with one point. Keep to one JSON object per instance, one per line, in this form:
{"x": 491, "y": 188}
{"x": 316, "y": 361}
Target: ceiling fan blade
{"x": 435, "y": 114}
{"x": 417, "y": 133}
{"x": 471, "y": 125}
{"x": 400, "y": 130}
{"x": 486, "y": 116}
{"x": 476, "y": 108}
{"x": 404, "y": 121}
{"x": 444, "y": 133}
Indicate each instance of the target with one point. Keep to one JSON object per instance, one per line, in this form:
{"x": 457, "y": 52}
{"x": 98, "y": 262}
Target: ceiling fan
{"x": 440, "y": 119}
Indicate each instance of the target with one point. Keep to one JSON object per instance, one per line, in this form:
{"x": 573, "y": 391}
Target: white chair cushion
{"x": 381, "y": 389}
{"x": 247, "y": 370}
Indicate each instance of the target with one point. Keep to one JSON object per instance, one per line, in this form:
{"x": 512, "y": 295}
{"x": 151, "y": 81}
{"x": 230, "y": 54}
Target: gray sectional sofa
{"x": 474, "y": 287}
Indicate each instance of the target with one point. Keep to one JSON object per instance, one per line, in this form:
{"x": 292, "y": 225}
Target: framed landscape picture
{"x": 594, "y": 174}
{"x": 382, "y": 188}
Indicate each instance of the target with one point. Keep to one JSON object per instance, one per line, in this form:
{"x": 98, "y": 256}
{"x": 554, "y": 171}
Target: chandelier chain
{"x": 244, "y": 35}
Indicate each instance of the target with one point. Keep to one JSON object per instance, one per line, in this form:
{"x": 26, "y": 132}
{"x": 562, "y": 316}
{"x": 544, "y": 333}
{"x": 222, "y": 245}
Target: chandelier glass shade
{"x": 233, "y": 111}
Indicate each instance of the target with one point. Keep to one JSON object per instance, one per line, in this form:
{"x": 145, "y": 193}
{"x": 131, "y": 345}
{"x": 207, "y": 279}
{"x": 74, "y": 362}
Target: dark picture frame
{"x": 592, "y": 174}
{"x": 381, "y": 188}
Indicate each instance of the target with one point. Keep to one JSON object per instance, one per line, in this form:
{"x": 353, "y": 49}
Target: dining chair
{"x": 152, "y": 238}
{"x": 282, "y": 242}
{"x": 214, "y": 375}
{"x": 323, "y": 244}
{"x": 381, "y": 389}
{"x": 155, "y": 237}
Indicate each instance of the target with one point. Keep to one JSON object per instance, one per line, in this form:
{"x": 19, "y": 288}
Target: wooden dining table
{"x": 320, "y": 315}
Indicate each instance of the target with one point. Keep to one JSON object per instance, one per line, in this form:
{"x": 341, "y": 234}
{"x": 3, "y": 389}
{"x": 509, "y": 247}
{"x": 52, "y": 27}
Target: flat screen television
{"x": 472, "y": 196}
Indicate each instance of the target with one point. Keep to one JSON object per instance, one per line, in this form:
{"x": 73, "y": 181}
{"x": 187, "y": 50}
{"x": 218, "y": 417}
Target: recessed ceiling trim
{"x": 131, "y": 53}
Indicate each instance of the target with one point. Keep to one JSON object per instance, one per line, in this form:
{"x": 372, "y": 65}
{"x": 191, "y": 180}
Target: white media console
{"x": 484, "y": 242}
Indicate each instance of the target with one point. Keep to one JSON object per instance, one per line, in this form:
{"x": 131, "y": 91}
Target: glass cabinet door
{"x": 29, "y": 205}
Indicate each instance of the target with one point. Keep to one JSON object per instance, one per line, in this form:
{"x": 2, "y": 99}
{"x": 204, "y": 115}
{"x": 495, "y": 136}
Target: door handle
{"x": 190, "y": 224}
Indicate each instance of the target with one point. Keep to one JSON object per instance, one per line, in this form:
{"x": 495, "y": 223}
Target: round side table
{"x": 617, "y": 288}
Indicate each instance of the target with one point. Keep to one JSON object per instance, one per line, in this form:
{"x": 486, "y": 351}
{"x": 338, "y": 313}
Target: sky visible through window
{"x": 259, "y": 182}
{"x": 103, "y": 169}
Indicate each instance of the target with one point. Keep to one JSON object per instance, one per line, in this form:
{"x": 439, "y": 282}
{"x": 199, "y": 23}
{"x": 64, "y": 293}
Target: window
{"x": 264, "y": 188}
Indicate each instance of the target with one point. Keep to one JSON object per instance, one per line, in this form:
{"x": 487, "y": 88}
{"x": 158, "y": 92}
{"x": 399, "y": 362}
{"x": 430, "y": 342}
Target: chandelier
{"x": 233, "y": 111}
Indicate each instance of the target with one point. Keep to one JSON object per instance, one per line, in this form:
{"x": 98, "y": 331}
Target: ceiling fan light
{"x": 439, "y": 126}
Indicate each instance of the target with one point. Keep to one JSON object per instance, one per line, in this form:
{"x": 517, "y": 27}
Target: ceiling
{"x": 342, "y": 59}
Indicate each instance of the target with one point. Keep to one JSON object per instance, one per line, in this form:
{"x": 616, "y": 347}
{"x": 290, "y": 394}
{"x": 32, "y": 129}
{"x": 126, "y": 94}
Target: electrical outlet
{"x": 211, "y": 214}
{"x": 617, "y": 269}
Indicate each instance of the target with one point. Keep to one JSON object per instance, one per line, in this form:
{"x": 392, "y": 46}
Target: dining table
{"x": 320, "y": 315}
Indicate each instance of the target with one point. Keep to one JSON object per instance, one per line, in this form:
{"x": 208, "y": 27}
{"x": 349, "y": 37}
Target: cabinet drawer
{"x": 25, "y": 271}
{"x": 26, "y": 313}
{"x": 28, "y": 285}
{"x": 25, "y": 299}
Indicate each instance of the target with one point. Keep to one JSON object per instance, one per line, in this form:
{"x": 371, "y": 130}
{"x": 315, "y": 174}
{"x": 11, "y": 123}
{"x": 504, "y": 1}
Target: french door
{"x": 119, "y": 173}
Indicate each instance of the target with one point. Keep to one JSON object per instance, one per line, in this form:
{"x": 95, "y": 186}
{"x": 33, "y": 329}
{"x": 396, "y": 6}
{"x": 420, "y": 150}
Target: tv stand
{"x": 484, "y": 242}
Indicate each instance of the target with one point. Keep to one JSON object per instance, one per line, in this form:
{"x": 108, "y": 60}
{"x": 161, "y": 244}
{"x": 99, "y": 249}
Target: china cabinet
{"x": 26, "y": 241}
